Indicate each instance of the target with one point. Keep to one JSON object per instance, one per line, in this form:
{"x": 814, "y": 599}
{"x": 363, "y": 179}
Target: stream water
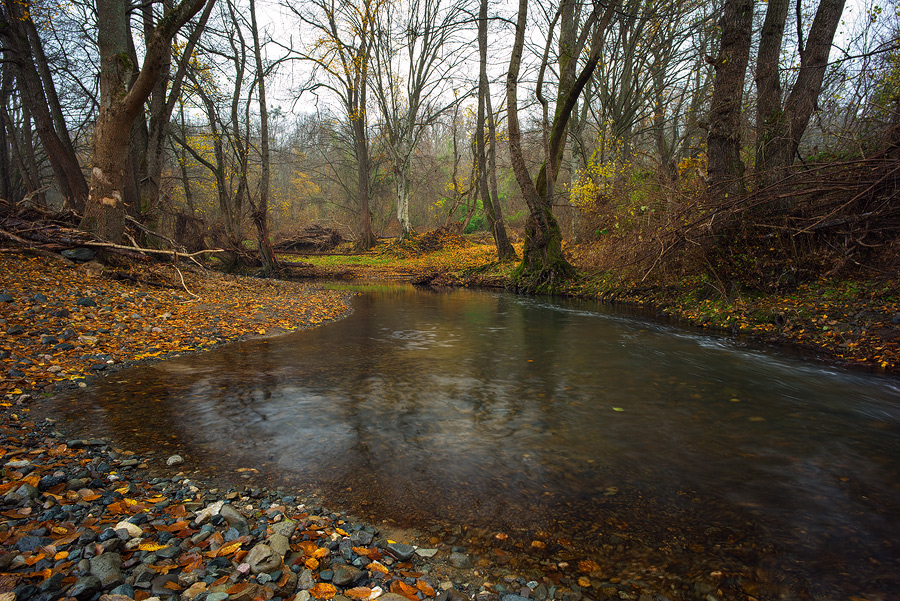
{"x": 635, "y": 444}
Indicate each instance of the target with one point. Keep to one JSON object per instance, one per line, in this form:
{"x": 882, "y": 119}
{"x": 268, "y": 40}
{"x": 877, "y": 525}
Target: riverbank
{"x": 848, "y": 322}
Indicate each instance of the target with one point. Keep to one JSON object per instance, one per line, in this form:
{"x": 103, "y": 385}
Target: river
{"x": 580, "y": 432}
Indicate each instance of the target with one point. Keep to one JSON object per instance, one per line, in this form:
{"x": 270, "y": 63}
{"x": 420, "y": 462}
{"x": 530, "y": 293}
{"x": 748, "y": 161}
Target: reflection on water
{"x": 510, "y": 413}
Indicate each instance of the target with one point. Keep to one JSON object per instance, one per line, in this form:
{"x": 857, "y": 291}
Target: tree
{"x": 779, "y": 128}
{"x": 487, "y": 164}
{"x": 261, "y": 210}
{"x": 726, "y": 169}
{"x": 543, "y": 264}
{"x": 23, "y": 48}
{"x": 345, "y": 34}
{"x": 121, "y": 101}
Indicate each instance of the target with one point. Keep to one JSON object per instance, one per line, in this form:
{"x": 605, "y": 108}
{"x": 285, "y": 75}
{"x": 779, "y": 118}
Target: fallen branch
{"x": 173, "y": 253}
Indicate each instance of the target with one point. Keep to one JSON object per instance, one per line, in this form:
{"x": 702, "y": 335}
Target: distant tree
{"x": 341, "y": 56}
{"x": 24, "y": 50}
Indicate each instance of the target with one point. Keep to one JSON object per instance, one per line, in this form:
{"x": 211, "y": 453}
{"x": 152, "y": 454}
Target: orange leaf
{"x": 320, "y": 553}
{"x": 426, "y": 588}
{"x": 172, "y": 586}
{"x": 60, "y": 555}
{"x": 377, "y": 567}
{"x": 323, "y": 590}
{"x": 93, "y": 497}
{"x": 401, "y": 588}
{"x": 311, "y": 563}
{"x": 360, "y": 592}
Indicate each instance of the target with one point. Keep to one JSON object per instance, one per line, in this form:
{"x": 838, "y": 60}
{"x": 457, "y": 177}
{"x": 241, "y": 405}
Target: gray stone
{"x": 288, "y": 588}
{"x": 216, "y": 596}
{"x": 461, "y": 561}
{"x": 285, "y": 528}
{"x": 78, "y": 254}
{"x": 345, "y": 575}
{"x": 396, "y": 597}
{"x": 6, "y": 298}
{"x": 361, "y": 538}
{"x": 279, "y": 543}
{"x": 301, "y": 596}
{"x": 30, "y": 543}
{"x": 85, "y": 588}
{"x": 108, "y": 569}
{"x": 235, "y": 520}
{"x": 262, "y": 558}
{"x": 86, "y": 302}
{"x": 512, "y": 597}
{"x": 174, "y": 460}
{"x": 400, "y": 551}
{"x": 426, "y": 552}
{"x": 305, "y": 580}
{"x": 170, "y": 552}
{"x": 15, "y": 330}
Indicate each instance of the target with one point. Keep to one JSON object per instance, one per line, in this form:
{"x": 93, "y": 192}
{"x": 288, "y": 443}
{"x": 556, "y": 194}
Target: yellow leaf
{"x": 151, "y": 547}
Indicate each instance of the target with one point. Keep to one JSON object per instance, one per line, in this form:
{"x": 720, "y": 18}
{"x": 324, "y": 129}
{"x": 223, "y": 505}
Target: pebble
{"x": 461, "y": 561}
{"x": 174, "y": 460}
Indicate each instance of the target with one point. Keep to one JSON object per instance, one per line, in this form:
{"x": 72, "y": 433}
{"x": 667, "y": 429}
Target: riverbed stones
{"x": 174, "y": 460}
{"x": 279, "y": 543}
{"x": 133, "y": 530}
{"x": 345, "y": 575}
{"x": 85, "y": 588}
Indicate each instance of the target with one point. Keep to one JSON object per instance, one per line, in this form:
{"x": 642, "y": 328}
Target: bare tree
{"x": 543, "y": 263}
{"x": 487, "y": 163}
{"x": 23, "y": 48}
{"x": 781, "y": 127}
{"x": 345, "y": 35}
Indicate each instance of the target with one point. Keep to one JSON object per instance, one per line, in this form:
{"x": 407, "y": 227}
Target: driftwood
{"x": 311, "y": 239}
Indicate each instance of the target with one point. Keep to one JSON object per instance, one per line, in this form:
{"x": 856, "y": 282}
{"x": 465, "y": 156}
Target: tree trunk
{"x": 543, "y": 263}
{"x": 401, "y": 179}
{"x": 120, "y": 104}
{"x": 769, "y": 112}
{"x": 782, "y": 136}
{"x": 505, "y": 251}
{"x": 261, "y": 214}
{"x": 726, "y": 169}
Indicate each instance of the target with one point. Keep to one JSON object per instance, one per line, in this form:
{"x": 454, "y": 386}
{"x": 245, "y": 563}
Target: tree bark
{"x": 726, "y": 170}
{"x": 769, "y": 113}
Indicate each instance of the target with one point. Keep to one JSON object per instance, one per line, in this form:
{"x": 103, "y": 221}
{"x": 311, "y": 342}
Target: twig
{"x": 182, "y": 282}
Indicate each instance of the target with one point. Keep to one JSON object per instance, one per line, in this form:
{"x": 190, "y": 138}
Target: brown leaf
{"x": 426, "y": 588}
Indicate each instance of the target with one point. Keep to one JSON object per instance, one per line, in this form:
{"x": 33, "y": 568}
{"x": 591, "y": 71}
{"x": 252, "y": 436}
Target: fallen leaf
{"x": 323, "y": 590}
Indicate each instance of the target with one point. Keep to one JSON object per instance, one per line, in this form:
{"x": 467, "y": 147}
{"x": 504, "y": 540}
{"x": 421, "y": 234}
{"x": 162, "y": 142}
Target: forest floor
{"x": 847, "y": 321}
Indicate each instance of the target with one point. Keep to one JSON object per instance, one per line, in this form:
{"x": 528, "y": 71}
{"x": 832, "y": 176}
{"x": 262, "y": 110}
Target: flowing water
{"x": 601, "y": 436}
